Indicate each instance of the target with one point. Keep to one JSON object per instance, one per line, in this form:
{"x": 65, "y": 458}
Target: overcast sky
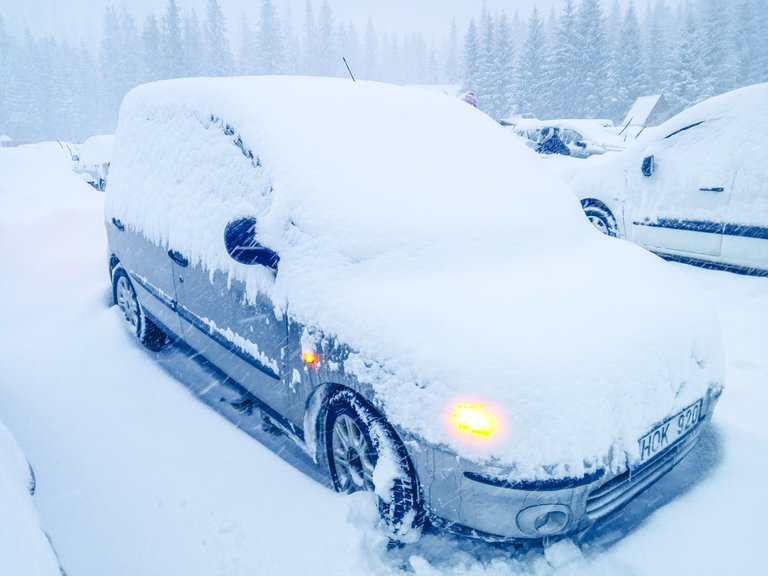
{"x": 74, "y": 19}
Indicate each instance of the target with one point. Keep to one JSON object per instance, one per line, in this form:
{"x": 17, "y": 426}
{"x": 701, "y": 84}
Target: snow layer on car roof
{"x": 411, "y": 227}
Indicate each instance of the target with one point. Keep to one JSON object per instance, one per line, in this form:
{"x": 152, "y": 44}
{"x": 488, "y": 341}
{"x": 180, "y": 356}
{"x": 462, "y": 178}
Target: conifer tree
{"x": 590, "y": 92}
{"x": 563, "y": 64}
{"x": 193, "y": 44}
{"x": 269, "y": 42}
{"x": 371, "y": 52}
{"x": 327, "y": 43}
{"x": 505, "y": 72}
{"x": 172, "y": 50}
{"x": 151, "y": 50}
{"x": 488, "y": 100}
{"x": 631, "y": 80}
{"x": 532, "y": 88}
{"x": 471, "y": 57}
{"x": 452, "y": 60}
{"x": 217, "y": 55}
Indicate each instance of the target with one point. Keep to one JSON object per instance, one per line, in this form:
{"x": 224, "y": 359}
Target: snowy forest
{"x": 579, "y": 61}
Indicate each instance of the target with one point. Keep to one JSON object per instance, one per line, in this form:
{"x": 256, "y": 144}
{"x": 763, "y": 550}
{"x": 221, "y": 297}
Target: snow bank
{"x": 410, "y": 226}
{"x": 24, "y": 548}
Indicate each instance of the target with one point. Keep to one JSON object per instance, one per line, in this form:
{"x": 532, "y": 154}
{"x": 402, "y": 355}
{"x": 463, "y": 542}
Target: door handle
{"x": 119, "y": 225}
{"x": 718, "y": 189}
{"x": 179, "y": 258}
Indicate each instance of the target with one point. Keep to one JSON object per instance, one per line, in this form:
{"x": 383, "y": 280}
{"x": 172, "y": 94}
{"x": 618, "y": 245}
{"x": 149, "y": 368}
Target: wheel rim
{"x": 126, "y": 301}
{"x": 351, "y": 456}
{"x": 598, "y": 223}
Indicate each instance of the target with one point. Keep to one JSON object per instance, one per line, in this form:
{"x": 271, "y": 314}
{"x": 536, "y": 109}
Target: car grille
{"x": 622, "y": 488}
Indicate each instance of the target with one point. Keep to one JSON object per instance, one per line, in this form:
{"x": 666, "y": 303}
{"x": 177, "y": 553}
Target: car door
{"x": 745, "y": 234}
{"x": 150, "y": 268}
{"x": 678, "y": 194}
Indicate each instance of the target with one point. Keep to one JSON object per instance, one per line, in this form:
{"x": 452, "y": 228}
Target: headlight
{"x": 475, "y": 420}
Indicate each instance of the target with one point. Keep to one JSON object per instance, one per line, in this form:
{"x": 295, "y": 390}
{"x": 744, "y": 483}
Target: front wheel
{"x": 365, "y": 454}
{"x": 601, "y": 218}
{"x": 124, "y": 295}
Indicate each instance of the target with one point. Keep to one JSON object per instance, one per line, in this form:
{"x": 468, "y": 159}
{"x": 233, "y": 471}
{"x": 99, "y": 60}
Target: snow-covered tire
{"x": 364, "y": 453}
{"x": 601, "y": 218}
{"x": 124, "y": 296}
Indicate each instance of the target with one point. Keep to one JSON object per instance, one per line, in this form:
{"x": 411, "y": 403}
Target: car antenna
{"x": 348, "y": 69}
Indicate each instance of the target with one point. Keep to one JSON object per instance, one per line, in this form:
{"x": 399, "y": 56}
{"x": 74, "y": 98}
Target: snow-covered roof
{"x": 646, "y": 111}
{"x": 96, "y": 149}
{"x": 411, "y": 227}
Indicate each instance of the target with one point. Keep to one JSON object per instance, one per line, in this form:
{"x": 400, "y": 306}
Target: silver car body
{"x": 257, "y": 352}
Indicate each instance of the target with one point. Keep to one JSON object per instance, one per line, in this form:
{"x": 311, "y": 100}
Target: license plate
{"x": 666, "y": 433}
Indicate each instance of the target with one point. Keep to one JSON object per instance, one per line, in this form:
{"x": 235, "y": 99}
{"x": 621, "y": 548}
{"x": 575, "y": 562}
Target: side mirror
{"x": 242, "y": 246}
{"x": 648, "y": 166}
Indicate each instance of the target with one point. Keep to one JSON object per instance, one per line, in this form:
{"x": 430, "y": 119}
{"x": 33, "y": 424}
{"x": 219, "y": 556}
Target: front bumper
{"x": 464, "y": 498}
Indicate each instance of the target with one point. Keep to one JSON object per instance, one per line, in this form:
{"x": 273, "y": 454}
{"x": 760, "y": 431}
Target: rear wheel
{"x": 365, "y": 454}
{"x": 146, "y": 331}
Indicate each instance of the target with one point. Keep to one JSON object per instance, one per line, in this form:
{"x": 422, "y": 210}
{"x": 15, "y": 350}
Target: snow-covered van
{"x": 384, "y": 276}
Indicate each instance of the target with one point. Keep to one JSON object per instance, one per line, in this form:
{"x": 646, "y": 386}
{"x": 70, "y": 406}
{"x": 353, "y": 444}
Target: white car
{"x": 93, "y": 159}
{"x": 583, "y": 137}
{"x": 24, "y": 547}
{"x": 694, "y": 189}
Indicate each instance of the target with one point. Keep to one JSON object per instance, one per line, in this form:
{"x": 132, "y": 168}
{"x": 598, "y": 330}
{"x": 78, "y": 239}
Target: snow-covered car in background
{"x": 694, "y": 189}
{"x": 378, "y": 291}
{"x": 583, "y": 137}
{"x": 93, "y": 158}
{"x": 24, "y": 547}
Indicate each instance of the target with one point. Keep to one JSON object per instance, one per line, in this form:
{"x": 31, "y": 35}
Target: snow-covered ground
{"x": 136, "y": 476}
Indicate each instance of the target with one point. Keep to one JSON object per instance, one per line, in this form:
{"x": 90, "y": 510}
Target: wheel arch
{"x": 615, "y": 215}
{"x": 594, "y": 202}
{"x": 315, "y": 417}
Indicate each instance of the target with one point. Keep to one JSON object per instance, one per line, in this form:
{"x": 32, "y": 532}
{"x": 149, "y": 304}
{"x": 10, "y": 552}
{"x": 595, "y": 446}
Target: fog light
{"x": 544, "y": 520}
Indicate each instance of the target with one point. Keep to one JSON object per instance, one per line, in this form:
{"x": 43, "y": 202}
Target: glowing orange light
{"x": 310, "y": 358}
{"x": 475, "y": 419}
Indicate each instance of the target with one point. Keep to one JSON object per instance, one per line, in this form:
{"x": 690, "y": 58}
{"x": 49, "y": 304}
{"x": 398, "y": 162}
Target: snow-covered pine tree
{"x": 505, "y": 72}
{"x": 269, "y": 40}
{"x": 487, "y": 98}
{"x": 591, "y": 91}
{"x": 172, "y": 49}
{"x": 532, "y": 87}
{"x": 193, "y": 43}
{"x": 452, "y": 71}
{"x": 685, "y": 68}
{"x": 370, "y": 69}
{"x": 217, "y": 55}
{"x": 151, "y": 51}
{"x": 328, "y": 59}
{"x": 471, "y": 57}
{"x": 630, "y": 76}
{"x": 563, "y": 61}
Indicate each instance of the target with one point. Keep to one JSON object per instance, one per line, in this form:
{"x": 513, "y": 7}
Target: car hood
{"x": 578, "y": 351}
